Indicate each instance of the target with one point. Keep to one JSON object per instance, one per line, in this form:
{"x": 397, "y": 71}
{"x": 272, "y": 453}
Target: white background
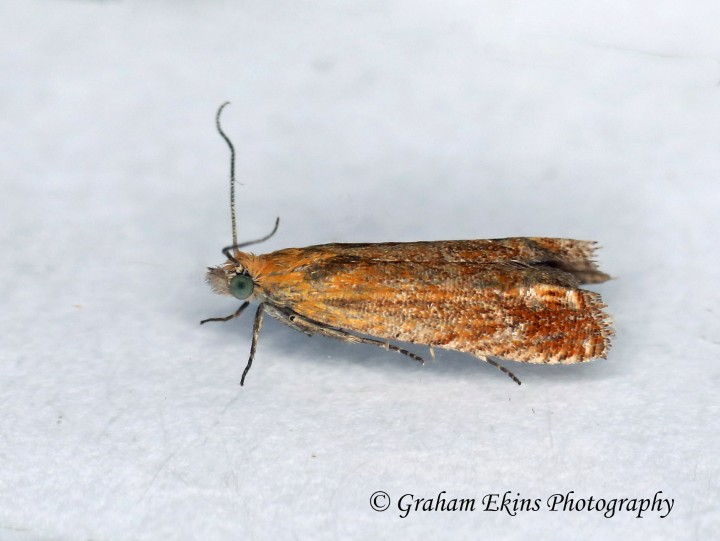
{"x": 121, "y": 418}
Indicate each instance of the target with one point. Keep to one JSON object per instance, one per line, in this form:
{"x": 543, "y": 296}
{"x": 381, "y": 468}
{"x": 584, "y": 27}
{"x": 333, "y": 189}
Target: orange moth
{"x": 515, "y": 298}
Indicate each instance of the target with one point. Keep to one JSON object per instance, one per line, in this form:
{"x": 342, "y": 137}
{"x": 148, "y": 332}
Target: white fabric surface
{"x": 122, "y": 419}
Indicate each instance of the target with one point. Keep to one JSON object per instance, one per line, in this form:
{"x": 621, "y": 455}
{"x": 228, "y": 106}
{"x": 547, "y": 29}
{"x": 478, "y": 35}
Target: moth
{"x": 513, "y": 298}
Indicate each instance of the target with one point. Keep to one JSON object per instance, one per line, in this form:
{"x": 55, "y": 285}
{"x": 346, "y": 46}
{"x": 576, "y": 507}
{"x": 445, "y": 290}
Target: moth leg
{"x": 253, "y": 346}
{"x": 502, "y": 369}
{"x": 231, "y": 316}
{"x": 308, "y": 326}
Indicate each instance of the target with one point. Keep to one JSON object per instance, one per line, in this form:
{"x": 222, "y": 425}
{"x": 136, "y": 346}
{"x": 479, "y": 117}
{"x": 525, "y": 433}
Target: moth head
{"x": 231, "y": 279}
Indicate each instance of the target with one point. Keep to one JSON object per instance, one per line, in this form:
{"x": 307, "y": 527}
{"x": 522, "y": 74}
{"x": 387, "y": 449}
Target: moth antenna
{"x": 226, "y": 250}
{"x": 503, "y": 369}
{"x": 233, "y": 214}
{"x": 232, "y": 172}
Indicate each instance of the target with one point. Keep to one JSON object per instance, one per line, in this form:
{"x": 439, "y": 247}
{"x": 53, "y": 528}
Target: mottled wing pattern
{"x": 511, "y": 298}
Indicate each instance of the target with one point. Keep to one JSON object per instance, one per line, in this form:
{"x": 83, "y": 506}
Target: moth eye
{"x": 241, "y": 286}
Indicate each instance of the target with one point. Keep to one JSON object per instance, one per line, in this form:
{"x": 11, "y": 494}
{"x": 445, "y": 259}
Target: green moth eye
{"x": 241, "y": 286}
